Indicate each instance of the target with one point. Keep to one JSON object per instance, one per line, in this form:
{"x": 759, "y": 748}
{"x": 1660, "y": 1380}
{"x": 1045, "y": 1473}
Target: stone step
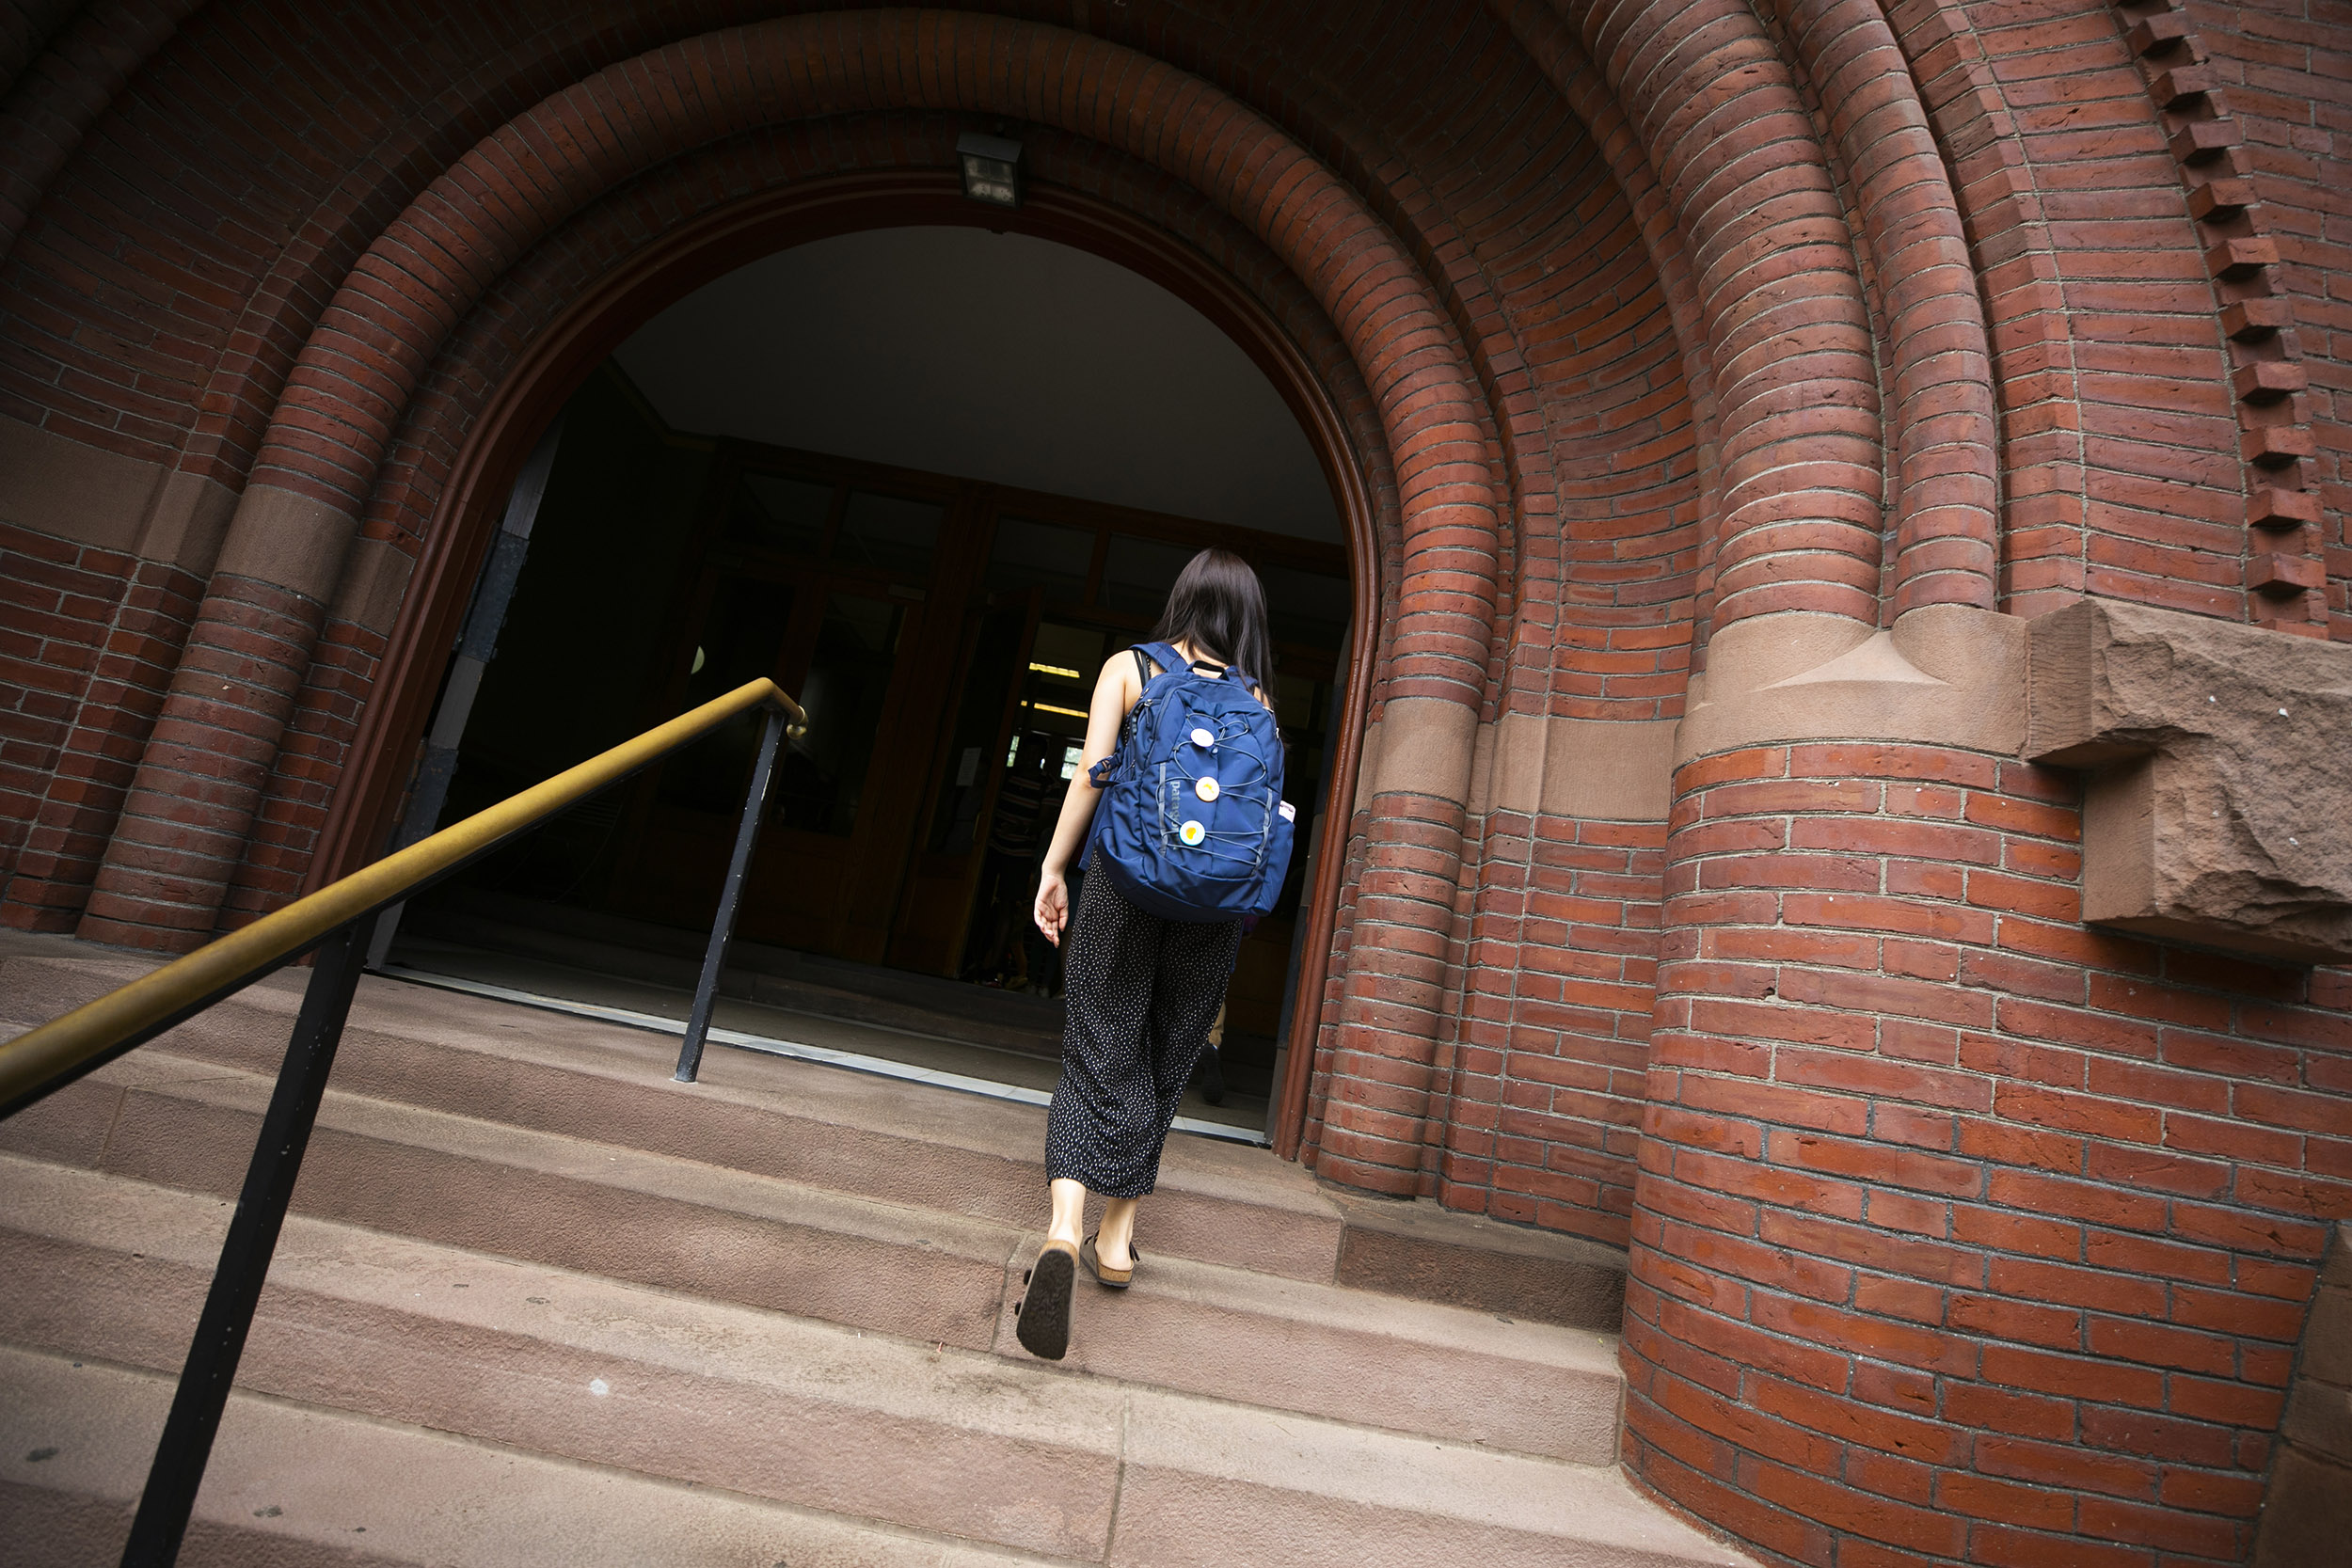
{"x": 822, "y": 1127}
{"x": 295, "y": 1486}
{"x": 876, "y": 1429}
{"x": 930, "y": 1276}
{"x": 844, "y": 1132}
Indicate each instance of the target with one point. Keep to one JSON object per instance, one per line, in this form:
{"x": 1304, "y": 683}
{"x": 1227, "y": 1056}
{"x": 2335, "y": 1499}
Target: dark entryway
{"x": 943, "y": 631}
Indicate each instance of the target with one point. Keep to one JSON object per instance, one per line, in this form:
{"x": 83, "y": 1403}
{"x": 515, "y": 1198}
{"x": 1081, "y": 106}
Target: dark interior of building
{"x": 927, "y": 480}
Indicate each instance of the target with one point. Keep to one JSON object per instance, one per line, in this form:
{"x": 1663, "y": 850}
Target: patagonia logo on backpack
{"x": 1192, "y": 824}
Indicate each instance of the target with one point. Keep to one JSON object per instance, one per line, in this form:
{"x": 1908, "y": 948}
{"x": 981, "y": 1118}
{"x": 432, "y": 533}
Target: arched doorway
{"x": 918, "y": 847}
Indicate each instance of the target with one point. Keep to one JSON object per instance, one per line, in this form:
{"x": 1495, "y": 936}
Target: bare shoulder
{"x": 1118, "y": 678}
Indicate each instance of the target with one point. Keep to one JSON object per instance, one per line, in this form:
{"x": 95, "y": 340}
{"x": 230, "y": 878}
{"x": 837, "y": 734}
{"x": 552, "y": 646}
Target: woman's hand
{"x": 1115, "y": 692}
{"x": 1053, "y": 905}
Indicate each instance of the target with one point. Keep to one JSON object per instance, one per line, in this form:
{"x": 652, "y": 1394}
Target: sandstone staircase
{"x": 538, "y": 1304}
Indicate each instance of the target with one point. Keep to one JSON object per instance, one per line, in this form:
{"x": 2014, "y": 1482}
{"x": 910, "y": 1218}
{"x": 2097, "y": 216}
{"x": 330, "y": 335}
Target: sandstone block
{"x": 2219, "y": 804}
{"x": 2327, "y": 1340}
{"x": 2307, "y": 1512}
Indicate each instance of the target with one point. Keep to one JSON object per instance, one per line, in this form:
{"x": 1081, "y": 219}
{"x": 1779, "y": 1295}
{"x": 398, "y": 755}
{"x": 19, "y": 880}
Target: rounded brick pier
{"x": 1962, "y": 1233}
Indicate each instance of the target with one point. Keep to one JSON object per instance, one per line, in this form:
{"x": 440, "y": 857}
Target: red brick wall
{"x": 1382, "y": 1064}
{"x": 1863, "y": 1178}
{"x": 2150, "y": 410}
{"x": 626, "y": 223}
{"x": 1549, "y": 1062}
{"x": 292, "y": 811}
{"x": 60, "y": 599}
{"x": 1540, "y": 264}
{"x": 2285, "y": 74}
{"x": 1962, "y": 1233}
{"x": 91, "y": 646}
{"x": 210, "y": 755}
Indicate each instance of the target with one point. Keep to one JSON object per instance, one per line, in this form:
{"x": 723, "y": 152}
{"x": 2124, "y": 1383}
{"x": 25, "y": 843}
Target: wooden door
{"x": 822, "y": 587}
{"x": 934, "y": 911}
{"x": 932, "y": 626}
{"x": 840, "y": 812}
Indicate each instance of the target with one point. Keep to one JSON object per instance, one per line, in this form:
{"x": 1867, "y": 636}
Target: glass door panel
{"x": 1138, "y": 573}
{"x": 979, "y": 719}
{"x": 1305, "y": 606}
{"x": 820, "y": 780}
{"x": 1039, "y": 555}
{"x": 740, "y": 639}
{"x": 776, "y": 512}
{"x": 891, "y": 534}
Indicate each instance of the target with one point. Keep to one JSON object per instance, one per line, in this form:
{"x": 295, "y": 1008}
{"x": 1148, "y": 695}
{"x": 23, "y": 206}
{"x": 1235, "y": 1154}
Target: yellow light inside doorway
{"x": 1057, "y": 669}
{"x": 1049, "y": 708}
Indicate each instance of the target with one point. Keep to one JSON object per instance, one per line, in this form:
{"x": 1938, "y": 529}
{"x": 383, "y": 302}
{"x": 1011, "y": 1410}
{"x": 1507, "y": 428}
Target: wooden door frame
{"x": 380, "y": 763}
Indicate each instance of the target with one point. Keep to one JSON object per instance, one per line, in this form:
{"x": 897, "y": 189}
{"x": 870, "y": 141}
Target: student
{"x": 1139, "y": 991}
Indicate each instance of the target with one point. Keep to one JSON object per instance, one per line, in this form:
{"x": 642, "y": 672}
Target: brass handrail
{"x": 43, "y": 1058}
{"x": 335, "y": 923}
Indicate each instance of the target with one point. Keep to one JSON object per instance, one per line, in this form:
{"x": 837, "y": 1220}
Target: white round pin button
{"x": 1192, "y": 832}
{"x": 1202, "y": 738}
{"x": 1205, "y": 788}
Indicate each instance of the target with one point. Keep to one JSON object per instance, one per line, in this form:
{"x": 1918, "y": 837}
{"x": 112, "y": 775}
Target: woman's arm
{"x": 1115, "y": 692}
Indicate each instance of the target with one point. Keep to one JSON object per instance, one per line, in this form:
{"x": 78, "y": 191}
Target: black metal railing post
{"x": 245, "y": 1255}
{"x": 690, "y": 1057}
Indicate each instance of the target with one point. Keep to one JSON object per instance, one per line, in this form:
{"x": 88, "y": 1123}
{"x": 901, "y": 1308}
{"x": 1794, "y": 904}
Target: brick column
{"x": 183, "y": 828}
{"x": 1964, "y": 1233}
{"x": 1382, "y": 1069}
{"x": 67, "y": 830}
{"x": 1379, "y": 1068}
{"x": 1801, "y": 440}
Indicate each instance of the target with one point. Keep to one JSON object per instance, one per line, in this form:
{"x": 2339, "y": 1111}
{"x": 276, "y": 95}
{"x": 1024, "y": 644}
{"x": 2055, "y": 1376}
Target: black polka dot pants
{"x": 1138, "y": 996}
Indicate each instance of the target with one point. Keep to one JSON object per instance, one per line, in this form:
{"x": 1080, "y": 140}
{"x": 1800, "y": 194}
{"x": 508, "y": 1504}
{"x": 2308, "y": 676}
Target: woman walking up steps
{"x": 1178, "y": 807}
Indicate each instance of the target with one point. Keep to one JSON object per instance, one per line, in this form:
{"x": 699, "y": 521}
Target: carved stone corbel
{"x": 2218, "y": 804}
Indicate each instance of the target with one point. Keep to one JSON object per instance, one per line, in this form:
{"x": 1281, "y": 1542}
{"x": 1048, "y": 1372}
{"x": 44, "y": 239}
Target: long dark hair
{"x": 1218, "y": 606}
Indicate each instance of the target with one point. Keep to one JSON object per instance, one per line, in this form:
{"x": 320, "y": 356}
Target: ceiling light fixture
{"x": 992, "y": 169}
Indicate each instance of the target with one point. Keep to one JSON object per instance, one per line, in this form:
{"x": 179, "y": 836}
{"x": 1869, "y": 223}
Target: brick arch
{"x": 428, "y": 463}
{"x": 76, "y": 74}
{"x": 242, "y": 364}
{"x": 192, "y": 805}
{"x": 2122, "y": 486}
{"x": 330, "y": 225}
{"x": 332, "y": 426}
{"x": 2034, "y": 360}
{"x": 1546, "y": 39}
{"x": 248, "y": 379}
{"x": 647, "y": 242}
{"x": 1780, "y": 298}
{"x": 1946, "y": 464}
{"x": 1666, "y": 69}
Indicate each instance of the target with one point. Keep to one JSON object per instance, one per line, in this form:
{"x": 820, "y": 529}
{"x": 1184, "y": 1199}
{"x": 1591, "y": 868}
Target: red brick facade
{"x": 1711, "y": 380}
{"x": 1961, "y": 1228}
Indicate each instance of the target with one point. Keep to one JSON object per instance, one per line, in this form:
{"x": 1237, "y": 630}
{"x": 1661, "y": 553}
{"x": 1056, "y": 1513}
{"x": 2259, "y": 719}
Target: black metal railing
{"x": 334, "y": 926}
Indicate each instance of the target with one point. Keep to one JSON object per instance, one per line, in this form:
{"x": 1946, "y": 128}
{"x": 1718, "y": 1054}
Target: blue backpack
{"x": 1192, "y": 824}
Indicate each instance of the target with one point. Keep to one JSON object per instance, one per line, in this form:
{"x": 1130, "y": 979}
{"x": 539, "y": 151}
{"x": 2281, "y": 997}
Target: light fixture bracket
{"x": 992, "y": 169}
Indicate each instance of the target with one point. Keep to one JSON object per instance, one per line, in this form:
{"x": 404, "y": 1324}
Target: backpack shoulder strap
{"x": 1162, "y": 653}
